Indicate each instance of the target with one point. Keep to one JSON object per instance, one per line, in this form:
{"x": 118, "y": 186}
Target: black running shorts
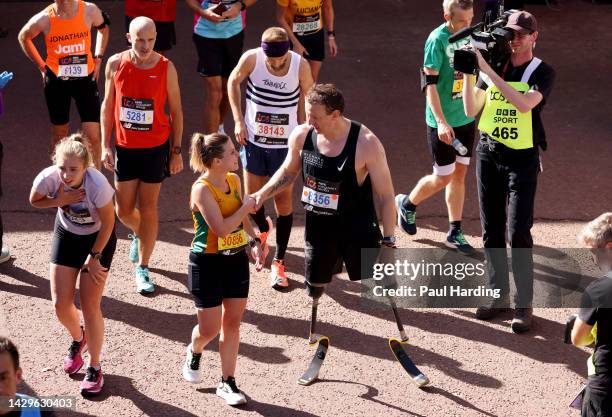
{"x": 59, "y": 93}
{"x": 443, "y": 154}
{"x": 218, "y": 57}
{"x": 150, "y": 165}
{"x": 166, "y": 34}
{"x": 212, "y": 278}
{"x": 327, "y": 247}
{"x": 69, "y": 249}
{"x": 314, "y": 45}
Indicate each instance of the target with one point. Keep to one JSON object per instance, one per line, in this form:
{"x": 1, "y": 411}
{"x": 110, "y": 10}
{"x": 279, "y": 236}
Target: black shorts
{"x": 218, "y": 57}
{"x": 150, "y": 165}
{"x": 596, "y": 403}
{"x": 69, "y": 249}
{"x": 327, "y": 246}
{"x": 58, "y": 94}
{"x": 444, "y": 156}
{"x": 166, "y": 34}
{"x": 314, "y": 45}
{"x": 212, "y": 278}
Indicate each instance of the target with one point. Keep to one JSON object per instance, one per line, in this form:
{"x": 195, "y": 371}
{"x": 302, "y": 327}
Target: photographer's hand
{"x": 483, "y": 65}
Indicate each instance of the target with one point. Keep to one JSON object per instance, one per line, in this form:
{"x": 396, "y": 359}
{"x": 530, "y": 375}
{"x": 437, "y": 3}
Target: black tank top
{"x": 331, "y": 189}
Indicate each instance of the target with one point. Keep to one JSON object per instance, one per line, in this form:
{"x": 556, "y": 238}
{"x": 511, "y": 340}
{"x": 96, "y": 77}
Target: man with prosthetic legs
{"x": 343, "y": 166}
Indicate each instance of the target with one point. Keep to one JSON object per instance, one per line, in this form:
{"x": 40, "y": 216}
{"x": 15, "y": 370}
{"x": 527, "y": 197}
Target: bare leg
{"x": 455, "y": 192}
{"x": 229, "y": 341}
{"x": 148, "y": 194}
{"x": 92, "y": 131}
{"x": 212, "y": 104}
{"x": 63, "y": 288}
{"x": 91, "y": 296}
{"x": 208, "y": 327}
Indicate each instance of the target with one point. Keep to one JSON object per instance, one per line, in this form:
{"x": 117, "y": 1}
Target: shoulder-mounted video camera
{"x": 490, "y": 37}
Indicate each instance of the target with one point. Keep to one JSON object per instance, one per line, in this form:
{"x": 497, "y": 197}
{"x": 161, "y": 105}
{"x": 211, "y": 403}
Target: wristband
{"x": 331, "y": 33}
{"x": 252, "y": 242}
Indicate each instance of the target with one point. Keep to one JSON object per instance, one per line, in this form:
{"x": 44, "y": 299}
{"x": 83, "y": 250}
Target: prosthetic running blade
{"x": 402, "y": 357}
{"x": 312, "y": 373}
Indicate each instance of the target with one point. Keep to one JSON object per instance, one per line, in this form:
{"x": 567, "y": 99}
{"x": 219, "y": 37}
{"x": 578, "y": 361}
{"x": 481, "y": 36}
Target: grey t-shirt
{"x": 80, "y": 218}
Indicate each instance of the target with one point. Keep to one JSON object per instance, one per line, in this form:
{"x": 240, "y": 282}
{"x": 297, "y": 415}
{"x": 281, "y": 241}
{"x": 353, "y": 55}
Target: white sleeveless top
{"x": 272, "y": 103}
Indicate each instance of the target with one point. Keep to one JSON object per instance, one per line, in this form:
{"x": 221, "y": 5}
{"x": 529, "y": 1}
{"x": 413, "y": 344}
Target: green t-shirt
{"x": 439, "y": 57}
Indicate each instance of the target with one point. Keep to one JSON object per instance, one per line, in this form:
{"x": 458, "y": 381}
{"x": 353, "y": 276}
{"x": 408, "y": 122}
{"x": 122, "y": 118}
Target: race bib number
{"x": 320, "y": 196}
{"x": 232, "y": 243}
{"x": 73, "y": 66}
{"x": 271, "y": 129}
{"x": 78, "y": 214}
{"x": 304, "y": 25}
{"x": 136, "y": 113}
{"x": 457, "y": 92}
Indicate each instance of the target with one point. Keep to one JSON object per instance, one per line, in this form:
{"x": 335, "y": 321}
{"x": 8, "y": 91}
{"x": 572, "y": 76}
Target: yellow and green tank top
{"x": 204, "y": 239}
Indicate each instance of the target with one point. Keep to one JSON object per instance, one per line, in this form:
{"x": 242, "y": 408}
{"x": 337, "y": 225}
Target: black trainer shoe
{"x": 490, "y": 311}
{"x": 521, "y": 322}
{"x": 406, "y": 219}
{"x": 456, "y": 240}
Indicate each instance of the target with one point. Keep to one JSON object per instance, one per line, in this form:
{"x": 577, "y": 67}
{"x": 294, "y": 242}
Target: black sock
{"x": 456, "y": 225}
{"x": 260, "y": 220}
{"x": 408, "y": 205}
{"x": 283, "y": 231}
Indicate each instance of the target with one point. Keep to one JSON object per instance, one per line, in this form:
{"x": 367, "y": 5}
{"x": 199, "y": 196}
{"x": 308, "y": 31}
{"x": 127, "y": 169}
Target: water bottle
{"x": 462, "y": 150}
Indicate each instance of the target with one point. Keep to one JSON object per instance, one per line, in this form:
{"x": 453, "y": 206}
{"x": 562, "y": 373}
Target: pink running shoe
{"x": 93, "y": 382}
{"x": 73, "y": 362}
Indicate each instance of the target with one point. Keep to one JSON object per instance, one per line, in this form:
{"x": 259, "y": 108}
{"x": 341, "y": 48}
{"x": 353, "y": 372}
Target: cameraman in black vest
{"x": 508, "y": 163}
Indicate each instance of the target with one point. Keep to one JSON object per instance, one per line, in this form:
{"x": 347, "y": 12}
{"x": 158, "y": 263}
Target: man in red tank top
{"x": 138, "y": 84}
{"x": 69, "y": 70}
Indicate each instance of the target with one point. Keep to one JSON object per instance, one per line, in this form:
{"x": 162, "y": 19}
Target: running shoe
{"x": 228, "y": 390}
{"x": 73, "y": 362}
{"x": 134, "y": 249}
{"x": 406, "y": 219}
{"x": 144, "y": 284}
{"x": 278, "y": 278}
{"x": 191, "y": 367}
{"x": 93, "y": 382}
{"x": 456, "y": 240}
{"x": 5, "y": 255}
{"x": 263, "y": 236}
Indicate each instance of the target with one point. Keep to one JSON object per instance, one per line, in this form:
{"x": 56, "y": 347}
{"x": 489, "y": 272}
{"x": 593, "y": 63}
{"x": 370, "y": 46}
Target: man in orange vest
{"x": 138, "y": 84}
{"x": 163, "y": 13}
{"x": 70, "y": 70}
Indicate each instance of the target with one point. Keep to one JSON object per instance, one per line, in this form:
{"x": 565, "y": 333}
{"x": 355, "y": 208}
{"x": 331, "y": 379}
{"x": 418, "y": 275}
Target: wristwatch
{"x": 95, "y": 255}
{"x": 99, "y": 56}
{"x": 331, "y": 33}
{"x": 176, "y": 150}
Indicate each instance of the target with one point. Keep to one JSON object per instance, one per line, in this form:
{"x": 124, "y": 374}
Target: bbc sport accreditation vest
{"x": 501, "y": 120}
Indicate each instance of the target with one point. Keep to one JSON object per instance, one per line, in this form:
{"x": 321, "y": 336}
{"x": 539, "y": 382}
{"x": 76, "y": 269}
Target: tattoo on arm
{"x": 281, "y": 183}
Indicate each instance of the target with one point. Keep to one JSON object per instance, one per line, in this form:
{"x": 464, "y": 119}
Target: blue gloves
{"x": 5, "y": 77}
